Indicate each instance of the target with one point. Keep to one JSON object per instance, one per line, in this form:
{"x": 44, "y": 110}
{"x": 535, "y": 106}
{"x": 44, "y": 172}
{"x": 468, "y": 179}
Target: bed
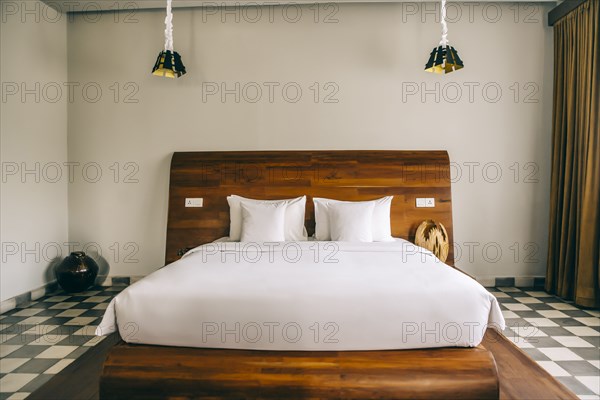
{"x": 380, "y": 320}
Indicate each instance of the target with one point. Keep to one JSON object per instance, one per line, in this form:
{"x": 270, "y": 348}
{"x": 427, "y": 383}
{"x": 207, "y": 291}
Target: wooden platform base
{"x": 520, "y": 377}
{"x": 155, "y": 372}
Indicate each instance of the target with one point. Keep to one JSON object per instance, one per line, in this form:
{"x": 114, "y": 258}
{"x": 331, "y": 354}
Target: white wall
{"x": 33, "y": 129}
{"x": 374, "y": 55}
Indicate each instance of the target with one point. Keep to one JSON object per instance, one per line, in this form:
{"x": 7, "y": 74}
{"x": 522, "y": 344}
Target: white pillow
{"x": 263, "y": 222}
{"x": 294, "y": 217}
{"x": 351, "y": 221}
{"x": 382, "y": 231}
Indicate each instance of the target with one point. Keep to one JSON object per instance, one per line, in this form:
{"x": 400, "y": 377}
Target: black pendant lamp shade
{"x": 169, "y": 65}
{"x": 443, "y": 59}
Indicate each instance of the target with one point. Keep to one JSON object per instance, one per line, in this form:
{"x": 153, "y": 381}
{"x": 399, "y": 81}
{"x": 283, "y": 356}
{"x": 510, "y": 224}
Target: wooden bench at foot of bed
{"x": 156, "y": 372}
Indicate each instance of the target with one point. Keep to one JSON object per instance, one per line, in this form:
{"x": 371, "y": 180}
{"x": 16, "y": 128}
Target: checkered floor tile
{"x": 38, "y": 340}
{"x": 562, "y": 338}
{"x": 41, "y": 338}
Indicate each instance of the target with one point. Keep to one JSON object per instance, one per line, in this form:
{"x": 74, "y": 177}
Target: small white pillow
{"x": 294, "y": 216}
{"x": 351, "y": 221}
{"x": 263, "y": 222}
{"x": 382, "y": 231}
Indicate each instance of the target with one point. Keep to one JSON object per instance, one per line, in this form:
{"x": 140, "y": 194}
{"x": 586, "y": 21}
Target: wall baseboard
{"x": 27, "y": 297}
{"x": 119, "y": 280}
{"x": 52, "y": 287}
{"x": 536, "y": 282}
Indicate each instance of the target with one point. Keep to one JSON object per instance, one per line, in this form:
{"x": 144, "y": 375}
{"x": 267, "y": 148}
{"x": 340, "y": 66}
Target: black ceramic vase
{"x": 76, "y": 272}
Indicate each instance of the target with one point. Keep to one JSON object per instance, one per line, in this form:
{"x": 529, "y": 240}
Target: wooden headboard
{"x": 342, "y": 175}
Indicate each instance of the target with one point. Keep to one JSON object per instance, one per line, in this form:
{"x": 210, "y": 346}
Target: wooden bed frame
{"x": 145, "y": 372}
{"x": 343, "y": 175}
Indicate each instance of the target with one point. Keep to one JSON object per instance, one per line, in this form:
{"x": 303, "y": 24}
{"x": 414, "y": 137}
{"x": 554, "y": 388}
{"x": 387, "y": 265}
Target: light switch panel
{"x": 194, "y": 202}
{"x": 425, "y": 202}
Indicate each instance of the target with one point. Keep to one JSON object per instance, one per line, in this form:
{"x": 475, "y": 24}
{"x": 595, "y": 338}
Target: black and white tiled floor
{"x": 39, "y": 339}
{"x": 562, "y": 338}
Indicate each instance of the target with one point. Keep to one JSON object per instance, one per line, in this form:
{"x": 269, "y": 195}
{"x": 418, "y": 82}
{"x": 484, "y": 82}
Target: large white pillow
{"x": 263, "y": 222}
{"x": 351, "y": 221}
{"x": 294, "y": 217}
{"x": 382, "y": 231}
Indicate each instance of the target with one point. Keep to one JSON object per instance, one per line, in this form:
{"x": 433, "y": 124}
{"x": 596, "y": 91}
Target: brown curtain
{"x": 574, "y": 242}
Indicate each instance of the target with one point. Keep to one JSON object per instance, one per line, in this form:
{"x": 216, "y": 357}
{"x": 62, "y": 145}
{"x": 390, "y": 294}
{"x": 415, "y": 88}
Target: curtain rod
{"x": 563, "y": 9}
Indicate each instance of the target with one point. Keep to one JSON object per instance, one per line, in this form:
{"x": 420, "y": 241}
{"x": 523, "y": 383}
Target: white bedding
{"x": 305, "y": 296}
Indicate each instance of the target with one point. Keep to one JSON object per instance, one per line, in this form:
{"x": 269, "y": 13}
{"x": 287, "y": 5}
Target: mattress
{"x": 315, "y": 296}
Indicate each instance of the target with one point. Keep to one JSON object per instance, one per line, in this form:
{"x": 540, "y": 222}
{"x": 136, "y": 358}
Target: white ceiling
{"x": 96, "y": 5}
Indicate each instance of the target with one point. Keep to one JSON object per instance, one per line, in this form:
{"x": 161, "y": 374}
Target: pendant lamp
{"x": 168, "y": 64}
{"x": 443, "y": 58}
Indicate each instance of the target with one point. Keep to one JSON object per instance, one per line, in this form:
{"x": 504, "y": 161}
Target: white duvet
{"x": 305, "y": 296}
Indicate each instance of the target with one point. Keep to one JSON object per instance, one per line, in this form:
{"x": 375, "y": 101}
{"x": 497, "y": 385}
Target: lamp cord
{"x": 169, "y": 27}
{"x": 444, "y": 40}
